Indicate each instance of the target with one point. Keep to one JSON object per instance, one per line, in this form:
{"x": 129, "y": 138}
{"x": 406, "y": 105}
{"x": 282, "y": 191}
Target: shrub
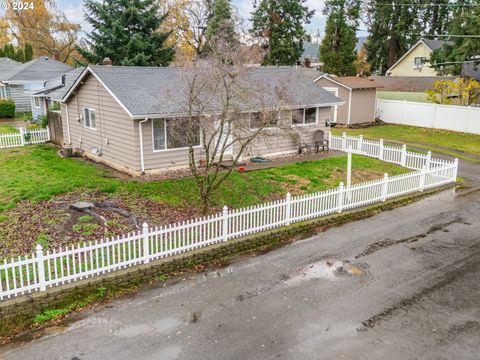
{"x": 7, "y": 108}
{"x": 44, "y": 121}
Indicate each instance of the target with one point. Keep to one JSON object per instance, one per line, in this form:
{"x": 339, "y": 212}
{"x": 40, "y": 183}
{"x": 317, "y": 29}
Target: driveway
{"x": 400, "y": 285}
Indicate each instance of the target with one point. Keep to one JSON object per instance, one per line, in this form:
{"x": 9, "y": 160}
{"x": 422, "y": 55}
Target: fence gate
{"x": 55, "y": 125}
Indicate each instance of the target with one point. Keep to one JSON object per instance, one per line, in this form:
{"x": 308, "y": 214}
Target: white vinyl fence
{"x": 37, "y": 272}
{"x": 448, "y": 117}
{"x": 24, "y": 137}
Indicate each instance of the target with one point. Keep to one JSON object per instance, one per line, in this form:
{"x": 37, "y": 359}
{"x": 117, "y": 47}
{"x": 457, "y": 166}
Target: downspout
{"x": 349, "y": 106}
{"x": 142, "y": 161}
{"x": 68, "y": 126}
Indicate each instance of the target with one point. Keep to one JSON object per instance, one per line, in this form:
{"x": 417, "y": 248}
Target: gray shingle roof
{"x": 156, "y": 91}
{"x": 54, "y": 88}
{"x": 6, "y": 67}
{"x": 435, "y": 44}
{"x": 41, "y": 69}
{"x": 471, "y": 69}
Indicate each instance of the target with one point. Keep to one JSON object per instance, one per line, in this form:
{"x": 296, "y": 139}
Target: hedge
{"x": 7, "y": 108}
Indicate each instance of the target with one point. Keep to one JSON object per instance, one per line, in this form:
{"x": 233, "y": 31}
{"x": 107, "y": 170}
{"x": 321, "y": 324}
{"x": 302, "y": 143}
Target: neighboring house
{"x": 416, "y": 61}
{"x": 6, "y": 66}
{"x": 32, "y": 75}
{"x": 50, "y": 96}
{"x": 358, "y": 94}
{"x": 409, "y": 88}
{"x": 121, "y": 115}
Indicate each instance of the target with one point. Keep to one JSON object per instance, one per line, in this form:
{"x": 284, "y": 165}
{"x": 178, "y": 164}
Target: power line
{"x": 427, "y": 4}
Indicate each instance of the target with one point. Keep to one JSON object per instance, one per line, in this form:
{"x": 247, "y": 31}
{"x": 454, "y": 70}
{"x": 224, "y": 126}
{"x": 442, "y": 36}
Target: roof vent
{"x": 107, "y": 62}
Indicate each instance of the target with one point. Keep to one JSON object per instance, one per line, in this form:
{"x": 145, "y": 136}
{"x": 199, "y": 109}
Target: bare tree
{"x": 227, "y": 113}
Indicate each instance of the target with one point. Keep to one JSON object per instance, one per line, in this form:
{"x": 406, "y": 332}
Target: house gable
{"x": 405, "y": 66}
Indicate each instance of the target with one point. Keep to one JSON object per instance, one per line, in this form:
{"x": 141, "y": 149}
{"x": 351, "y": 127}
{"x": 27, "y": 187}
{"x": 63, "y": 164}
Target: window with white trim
{"x": 304, "y": 116}
{"x": 37, "y": 101}
{"x": 89, "y": 118}
{"x": 419, "y": 61}
{"x": 260, "y": 120}
{"x": 175, "y": 133}
{"x": 3, "y": 92}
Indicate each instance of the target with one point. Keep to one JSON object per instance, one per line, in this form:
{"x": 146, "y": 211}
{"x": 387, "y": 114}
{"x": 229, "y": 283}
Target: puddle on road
{"x": 329, "y": 270}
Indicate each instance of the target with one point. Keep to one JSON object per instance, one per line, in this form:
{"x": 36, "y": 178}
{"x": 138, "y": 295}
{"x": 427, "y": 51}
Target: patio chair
{"x": 319, "y": 141}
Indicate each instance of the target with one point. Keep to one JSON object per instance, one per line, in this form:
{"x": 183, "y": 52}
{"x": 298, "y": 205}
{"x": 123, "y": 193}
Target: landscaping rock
{"x": 82, "y": 206}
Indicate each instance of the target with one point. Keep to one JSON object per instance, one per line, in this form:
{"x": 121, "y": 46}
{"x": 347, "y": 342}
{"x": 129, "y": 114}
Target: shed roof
{"x": 41, "y": 69}
{"x": 163, "y": 91}
{"x": 352, "y": 82}
{"x": 407, "y": 83}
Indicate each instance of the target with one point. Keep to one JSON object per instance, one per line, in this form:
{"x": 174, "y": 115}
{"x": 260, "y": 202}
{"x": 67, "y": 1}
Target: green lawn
{"x": 7, "y": 129}
{"x": 36, "y": 173}
{"x": 466, "y": 146}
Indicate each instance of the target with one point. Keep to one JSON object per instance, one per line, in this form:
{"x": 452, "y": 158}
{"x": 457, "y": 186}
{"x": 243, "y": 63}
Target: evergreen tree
{"x": 337, "y": 50}
{"x": 126, "y": 31}
{"x": 28, "y": 52}
{"x": 9, "y": 51}
{"x": 19, "y": 56}
{"x": 221, "y": 26}
{"x": 281, "y": 25}
{"x": 465, "y": 21}
{"x": 393, "y": 28}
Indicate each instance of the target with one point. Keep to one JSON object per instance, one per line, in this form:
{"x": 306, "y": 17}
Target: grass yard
{"x": 461, "y": 145}
{"x": 37, "y": 188}
{"x": 6, "y": 129}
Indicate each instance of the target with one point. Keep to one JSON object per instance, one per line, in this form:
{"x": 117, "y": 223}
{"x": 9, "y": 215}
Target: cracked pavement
{"x": 403, "y": 284}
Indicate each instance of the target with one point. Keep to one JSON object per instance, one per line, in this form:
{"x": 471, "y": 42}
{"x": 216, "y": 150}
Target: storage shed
{"x": 359, "y": 95}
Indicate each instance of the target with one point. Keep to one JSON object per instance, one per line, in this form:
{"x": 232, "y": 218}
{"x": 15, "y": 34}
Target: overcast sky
{"x": 74, "y": 11}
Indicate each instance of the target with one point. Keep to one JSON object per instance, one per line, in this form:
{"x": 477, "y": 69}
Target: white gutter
{"x": 349, "y": 106}
{"x": 68, "y": 126}
{"x": 142, "y": 161}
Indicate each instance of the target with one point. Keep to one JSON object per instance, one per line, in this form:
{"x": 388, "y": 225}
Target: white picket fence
{"x": 37, "y": 272}
{"x": 24, "y": 137}
{"x": 449, "y": 117}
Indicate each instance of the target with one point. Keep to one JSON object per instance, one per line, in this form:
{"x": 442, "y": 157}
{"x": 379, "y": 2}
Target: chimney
{"x": 306, "y": 62}
{"x": 107, "y": 62}
{"x": 56, "y": 55}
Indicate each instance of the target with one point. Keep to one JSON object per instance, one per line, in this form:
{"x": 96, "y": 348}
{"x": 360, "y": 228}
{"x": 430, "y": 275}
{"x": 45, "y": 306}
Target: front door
{"x": 229, "y": 150}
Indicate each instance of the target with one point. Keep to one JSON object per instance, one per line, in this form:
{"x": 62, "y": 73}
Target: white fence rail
{"x": 24, "y": 137}
{"x": 36, "y": 272}
{"x": 448, "y": 117}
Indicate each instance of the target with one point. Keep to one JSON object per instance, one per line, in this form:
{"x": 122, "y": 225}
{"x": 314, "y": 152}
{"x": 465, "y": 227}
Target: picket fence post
{"x": 428, "y": 160}
{"x": 146, "y": 244}
{"x": 455, "y": 169}
{"x": 344, "y": 141}
{"x": 288, "y": 200}
{"x": 403, "y": 158}
{"x": 48, "y": 133}
{"x": 380, "y": 152}
{"x": 340, "y": 197}
{"x": 225, "y": 223}
{"x": 40, "y": 268}
{"x": 22, "y": 136}
{"x": 360, "y": 143}
{"x": 385, "y": 187}
{"x": 423, "y": 173}
{"x": 329, "y": 139}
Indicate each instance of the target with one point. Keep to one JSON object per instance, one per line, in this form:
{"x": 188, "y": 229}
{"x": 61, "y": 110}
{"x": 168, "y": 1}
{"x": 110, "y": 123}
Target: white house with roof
{"x": 416, "y": 61}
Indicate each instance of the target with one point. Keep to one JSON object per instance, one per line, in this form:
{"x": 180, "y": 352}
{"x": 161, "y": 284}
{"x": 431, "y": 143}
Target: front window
{"x": 304, "y": 116}
{"x": 175, "y": 133}
{"x": 260, "y": 120}
{"x": 3, "y": 92}
{"x": 89, "y": 118}
{"x": 37, "y": 102}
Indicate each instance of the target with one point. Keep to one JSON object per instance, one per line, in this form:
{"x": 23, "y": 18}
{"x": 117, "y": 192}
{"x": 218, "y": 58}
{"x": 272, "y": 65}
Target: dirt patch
{"x": 54, "y": 224}
{"x": 295, "y": 184}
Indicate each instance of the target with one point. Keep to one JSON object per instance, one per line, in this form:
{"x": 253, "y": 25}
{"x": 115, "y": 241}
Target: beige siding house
{"x": 358, "y": 95}
{"x": 416, "y": 61}
{"x": 124, "y": 116}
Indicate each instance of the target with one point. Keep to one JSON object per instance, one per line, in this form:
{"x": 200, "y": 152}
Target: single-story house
{"x": 409, "y": 88}
{"x": 471, "y": 69}
{"x": 123, "y": 116}
{"x": 20, "y": 80}
{"x": 358, "y": 94}
{"x": 416, "y": 61}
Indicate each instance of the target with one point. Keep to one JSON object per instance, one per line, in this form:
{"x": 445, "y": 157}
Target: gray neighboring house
{"x": 471, "y": 69}
{"x": 120, "y": 116}
{"x": 6, "y": 67}
{"x": 20, "y": 80}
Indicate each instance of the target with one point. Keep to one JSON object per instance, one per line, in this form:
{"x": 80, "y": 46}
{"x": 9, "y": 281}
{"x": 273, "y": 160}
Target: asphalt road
{"x": 403, "y": 284}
